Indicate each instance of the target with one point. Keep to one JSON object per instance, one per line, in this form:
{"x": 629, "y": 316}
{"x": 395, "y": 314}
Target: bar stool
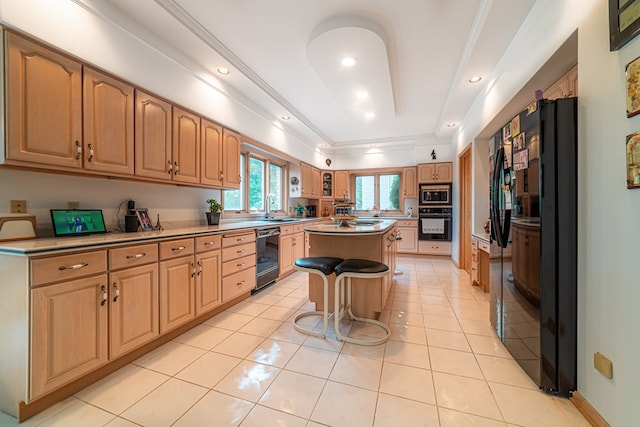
{"x": 323, "y": 267}
{"x": 359, "y": 268}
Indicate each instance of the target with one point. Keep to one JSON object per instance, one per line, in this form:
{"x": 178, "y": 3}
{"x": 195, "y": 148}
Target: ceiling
{"x": 414, "y": 59}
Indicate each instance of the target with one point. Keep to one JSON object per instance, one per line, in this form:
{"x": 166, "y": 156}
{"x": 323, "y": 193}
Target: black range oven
{"x": 434, "y": 223}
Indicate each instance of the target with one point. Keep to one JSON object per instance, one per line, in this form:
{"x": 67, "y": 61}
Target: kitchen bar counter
{"x": 376, "y": 242}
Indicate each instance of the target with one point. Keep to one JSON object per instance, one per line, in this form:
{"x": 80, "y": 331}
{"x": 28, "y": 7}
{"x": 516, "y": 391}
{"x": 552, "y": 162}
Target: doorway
{"x": 465, "y": 172}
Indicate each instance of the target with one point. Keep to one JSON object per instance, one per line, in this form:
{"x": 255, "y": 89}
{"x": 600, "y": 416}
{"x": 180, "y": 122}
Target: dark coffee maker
{"x": 311, "y": 211}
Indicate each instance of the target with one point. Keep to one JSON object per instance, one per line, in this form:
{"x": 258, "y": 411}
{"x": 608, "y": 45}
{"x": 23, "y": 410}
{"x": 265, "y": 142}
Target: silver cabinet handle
{"x": 78, "y": 150}
{"x": 199, "y": 267}
{"x": 90, "y": 153}
{"x": 179, "y": 248}
{"x": 73, "y": 267}
{"x": 140, "y": 255}
{"x": 104, "y": 295}
{"x": 209, "y": 243}
{"x": 115, "y": 286}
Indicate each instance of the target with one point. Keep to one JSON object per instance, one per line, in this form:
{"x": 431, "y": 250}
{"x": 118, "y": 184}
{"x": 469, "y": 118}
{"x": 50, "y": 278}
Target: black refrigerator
{"x": 533, "y": 212}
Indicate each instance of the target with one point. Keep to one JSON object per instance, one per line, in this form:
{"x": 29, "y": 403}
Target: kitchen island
{"x": 363, "y": 239}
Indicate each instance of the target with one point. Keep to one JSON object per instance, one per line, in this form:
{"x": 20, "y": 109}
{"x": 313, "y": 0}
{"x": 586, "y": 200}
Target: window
{"x": 382, "y": 190}
{"x": 264, "y": 177}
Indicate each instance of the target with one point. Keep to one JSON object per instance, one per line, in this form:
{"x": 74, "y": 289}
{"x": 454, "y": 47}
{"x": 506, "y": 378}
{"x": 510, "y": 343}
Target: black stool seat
{"x": 324, "y": 264}
{"x": 360, "y": 266}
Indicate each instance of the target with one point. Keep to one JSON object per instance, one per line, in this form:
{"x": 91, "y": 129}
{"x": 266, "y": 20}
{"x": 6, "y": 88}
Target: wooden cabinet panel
{"x": 237, "y": 239}
{"x": 231, "y": 159}
{"x": 211, "y": 161}
{"x": 68, "y": 332}
{"x": 234, "y": 265}
{"x": 152, "y": 137}
{"x": 44, "y": 105}
{"x": 177, "y": 286}
{"x": 341, "y": 185}
{"x": 208, "y": 243}
{"x": 286, "y": 253}
{"x": 176, "y": 248}
{"x": 239, "y": 283}
{"x": 434, "y": 247}
{"x": 131, "y": 256}
{"x": 185, "y": 152}
{"x": 435, "y": 172}
{"x": 208, "y": 281}
{"x": 409, "y": 242}
{"x": 238, "y": 251}
{"x": 410, "y": 182}
{"x": 133, "y": 305}
{"x": 108, "y": 123}
{"x": 66, "y": 267}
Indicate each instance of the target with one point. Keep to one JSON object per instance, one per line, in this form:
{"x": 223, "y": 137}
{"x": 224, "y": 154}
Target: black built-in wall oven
{"x": 434, "y": 212}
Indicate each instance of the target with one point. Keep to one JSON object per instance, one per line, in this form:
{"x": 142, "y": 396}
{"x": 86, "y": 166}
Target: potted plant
{"x": 213, "y": 216}
{"x": 299, "y": 209}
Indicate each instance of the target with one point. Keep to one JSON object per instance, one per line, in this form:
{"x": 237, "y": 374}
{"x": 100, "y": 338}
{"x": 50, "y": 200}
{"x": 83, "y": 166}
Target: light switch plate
{"x": 603, "y": 365}
{"x": 73, "y": 205}
{"x": 18, "y": 206}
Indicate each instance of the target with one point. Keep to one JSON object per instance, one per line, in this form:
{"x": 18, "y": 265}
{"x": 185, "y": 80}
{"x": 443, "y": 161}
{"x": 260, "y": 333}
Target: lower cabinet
{"x": 434, "y": 247}
{"x": 177, "y": 283}
{"x": 238, "y": 264}
{"x": 408, "y": 230}
{"x": 208, "y": 274}
{"x": 293, "y": 243}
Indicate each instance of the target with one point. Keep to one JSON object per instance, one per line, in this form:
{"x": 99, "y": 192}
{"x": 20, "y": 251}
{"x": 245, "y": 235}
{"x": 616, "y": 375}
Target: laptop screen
{"x": 77, "y": 222}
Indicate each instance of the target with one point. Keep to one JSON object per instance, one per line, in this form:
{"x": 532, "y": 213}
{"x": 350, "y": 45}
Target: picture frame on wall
{"x": 632, "y": 81}
{"x": 633, "y": 160}
{"x": 624, "y": 22}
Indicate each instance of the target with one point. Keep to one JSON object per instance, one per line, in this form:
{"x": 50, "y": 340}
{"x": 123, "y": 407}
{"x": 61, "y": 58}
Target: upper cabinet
{"x": 185, "y": 151}
{"x": 327, "y": 185}
{"x": 311, "y": 182}
{"x": 210, "y": 153}
{"x": 410, "y": 182}
{"x": 153, "y": 137}
{"x": 341, "y": 185}
{"x": 435, "y": 172}
{"x": 230, "y": 159}
{"x": 108, "y": 123}
{"x": 44, "y": 105}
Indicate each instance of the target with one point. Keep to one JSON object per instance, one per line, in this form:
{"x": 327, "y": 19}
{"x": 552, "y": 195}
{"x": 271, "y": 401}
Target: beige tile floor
{"x": 247, "y": 366}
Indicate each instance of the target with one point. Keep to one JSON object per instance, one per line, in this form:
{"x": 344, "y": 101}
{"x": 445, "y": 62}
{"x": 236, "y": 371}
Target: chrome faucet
{"x": 268, "y": 201}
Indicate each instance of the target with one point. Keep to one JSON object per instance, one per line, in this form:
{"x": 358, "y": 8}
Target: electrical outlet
{"x": 603, "y": 365}
{"x": 73, "y": 205}
{"x": 18, "y": 206}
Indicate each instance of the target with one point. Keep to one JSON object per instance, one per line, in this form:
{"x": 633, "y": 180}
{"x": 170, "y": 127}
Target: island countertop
{"x": 356, "y": 227}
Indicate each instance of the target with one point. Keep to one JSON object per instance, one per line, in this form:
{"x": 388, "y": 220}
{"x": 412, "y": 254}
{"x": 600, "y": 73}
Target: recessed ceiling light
{"x": 451, "y": 125}
{"x": 369, "y": 115}
{"x": 475, "y": 79}
{"x": 348, "y": 61}
{"x": 224, "y": 71}
{"x": 362, "y": 94}
{"x": 323, "y": 145}
{"x": 285, "y": 117}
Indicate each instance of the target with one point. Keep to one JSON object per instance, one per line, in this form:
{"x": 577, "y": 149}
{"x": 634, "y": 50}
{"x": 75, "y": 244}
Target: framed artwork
{"x": 515, "y": 126}
{"x": 624, "y": 22}
{"x": 521, "y": 160}
{"x": 518, "y": 141}
{"x": 632, "y": 79}
{"x": 506, "y": 131}
{"x": 143, "y": 218}
{"x": 633, "y": 160}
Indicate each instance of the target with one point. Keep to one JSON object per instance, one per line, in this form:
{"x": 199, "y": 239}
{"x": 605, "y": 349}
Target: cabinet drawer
{"x": 238, "y": 251}
{"x": 286, "y": 230}
{"x": 239, "y": 264}
{"x": 434, "y": 247}
{"x": 474, "y": 244}
{"x": 298, "y": 228}
{"x": 208, "y": 243}
{"x": 407, "y": 223}
{"x": 238, "y": 284}
{"x": 176, "y": 248}
{"x": 484, "y": 246}
{"x": 132, "y": 256}
{"x": 237, "y": 239}
{"x": 64, "y": 267}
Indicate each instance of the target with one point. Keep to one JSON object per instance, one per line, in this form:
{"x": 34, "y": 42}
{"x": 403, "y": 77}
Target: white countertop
{"x": 353, "y": 229}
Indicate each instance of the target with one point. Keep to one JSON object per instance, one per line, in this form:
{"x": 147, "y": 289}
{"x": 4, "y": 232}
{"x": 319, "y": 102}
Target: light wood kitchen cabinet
{"x": 133, "y": 297}
{"x": 429, "y": 173}
{"x": 480, "y": 263}
{"x": 108, "y": 123}
{"x": 177, "y": 283}
{"x": 408, "y": 230}
{"x": 152, "y": 137}
{"x": 185, "y": 151}
{"x": 208, "y": 273}
{"x": 434, "y": 247}
{"x": 231, "y": 143}
{"x": 310, "y": 186}
{"x": 43, "y": 105}
{"x": 238, "y": 264}
{"x": 341, "y": 185}
{"x": 69, "y": 315}
{"x": 292, "y": 246}
{"x": 410, "y": 183}
{"x": 525, "y": 259}
{"x": 327, "y": 185}
{"x": 211, "y": 160}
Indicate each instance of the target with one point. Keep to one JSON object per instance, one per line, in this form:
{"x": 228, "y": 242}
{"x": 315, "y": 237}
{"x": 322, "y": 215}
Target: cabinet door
{"x": 208, "y": 281}
{"x": 341, "y": 185}
{"x": 298, "y": 247}
{"x": 231, "y": 159}
{"x": 185, "y": 152}
{"x": 133, "y": 304}
{"x": 177, "y": 299}
{"x": 410, "y": 182}
{"x": 44, "y": 105}
{"x": 316, "y": 190}
{"x": 210, "y": 153}
{"x": 153, "y": 137}
{"x": 286, "y": 254}
{"x": 426, "y": 173}
{"x": 307, "y": 184}
{"x": 68, "y": 332}
{"x": 327, "y": 185}
{"x": 444, "y": 172}
{"x": 108, "y": 123}
{"x": 409, "y": 242}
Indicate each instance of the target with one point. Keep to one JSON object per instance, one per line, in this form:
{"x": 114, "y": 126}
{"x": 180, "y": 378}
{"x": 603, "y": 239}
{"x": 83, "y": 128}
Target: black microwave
{"x": 434, "y": 194}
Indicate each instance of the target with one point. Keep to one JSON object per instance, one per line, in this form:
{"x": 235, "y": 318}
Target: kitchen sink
{"x": 283, "y": 219}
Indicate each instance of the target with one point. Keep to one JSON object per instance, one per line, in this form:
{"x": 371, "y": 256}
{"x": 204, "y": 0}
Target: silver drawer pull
{"x": 140, "y": 255}
{"x": 179, "y": 248}
{"x": 73, "y": 267}
{"x": 209, "y": 243}
{"x": 241, "y": 283}
{"x": 241, "y": 251}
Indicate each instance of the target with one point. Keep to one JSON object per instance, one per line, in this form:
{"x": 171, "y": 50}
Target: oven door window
{"x": 434, "y": 228}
